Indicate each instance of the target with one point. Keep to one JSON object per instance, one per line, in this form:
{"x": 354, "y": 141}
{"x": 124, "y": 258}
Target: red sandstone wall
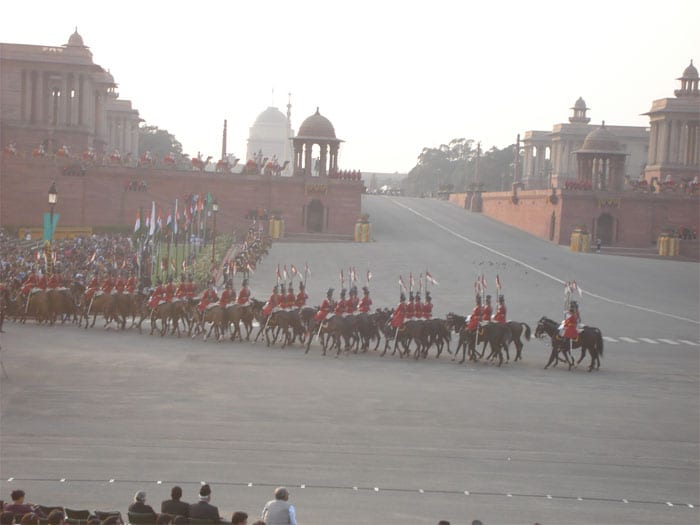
{"x": 532, "y": 213}
{"x": 99, "y": 199}
{"x": 458, "y": 199}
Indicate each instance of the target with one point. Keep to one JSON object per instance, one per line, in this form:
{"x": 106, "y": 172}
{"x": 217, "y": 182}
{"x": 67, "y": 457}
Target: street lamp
{"x": 214, "y": 209}
{"x": 53, "y": 198}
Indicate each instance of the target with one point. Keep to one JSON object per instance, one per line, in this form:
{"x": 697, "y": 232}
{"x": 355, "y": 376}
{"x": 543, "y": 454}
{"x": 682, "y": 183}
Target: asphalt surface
{"x": 375, "y": 439}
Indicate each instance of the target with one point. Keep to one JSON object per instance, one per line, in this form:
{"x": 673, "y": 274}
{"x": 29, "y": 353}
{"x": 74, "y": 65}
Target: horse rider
{"x": 281, "y": 298}
{"x": 301, "y": 296}
{"x": 325, "y": 308}
{"x": 209, "y": 296}
{"x": 157, "y": 295}
{"x": 417, "y": 307}
{"x": 244, "y": 294}
{"x": 108, "y": 284}
{"x": 399, "y": 315}
{"x": 352, "y": 302}
{"x": 500, "y": 316}
{"x": 569, "y": 327}
{"x": 93, "y": 286}
{"x": 120, "y": 283}
{"x": 227, "y": 296}
{"x": 366, "y": 302}
{"x": 340, "y": 306}
{"x": 428, "y": 306}
{"x": 181, "y": 292}
{"x": 486, "y": 311}
{"x": 290, "y": 299}
{"x": 30, "y": 282}
{"x": 475, "y": 317}
{"x": 191, "y": 287}
{"x": 170, "y": 290}
{"x": 43, "y": 282}
{"x": 131, "y": 283}
{"x": 54, "y": 281}
{"x": 271, "y": 303}
{"x": 410, "y": 306}
{"x": 578, "y": 313}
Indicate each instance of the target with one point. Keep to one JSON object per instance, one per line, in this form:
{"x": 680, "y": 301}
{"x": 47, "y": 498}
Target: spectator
{"x": 174, "y": 506}
{"x": 139, "y": 505}
{"x": 56, "y": 517}
{"x": 279, "y": 511}
{"x": 7, "y": 518}
{"x": 30, "y": 519}
{"x": 239, "y": 518}
{"x": 203, "y": 510}
{"x": 18, "y": 506}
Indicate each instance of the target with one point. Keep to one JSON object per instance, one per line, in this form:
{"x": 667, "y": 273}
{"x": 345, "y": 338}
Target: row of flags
{"x": 412, "y": 284}
{"x": 179, "y": 219}
{"x": 480, "y": 285}
{"x": 284, "y": 275}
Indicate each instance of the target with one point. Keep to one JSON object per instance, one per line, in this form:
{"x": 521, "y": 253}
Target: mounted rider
{"x": 569, "y": 327}
{"x": 399, "y": 315}
{"x": 170, "y": 290}
{"x": 157, "y": 295}
{"x": 208, "y": 297}
{"x": 244, "y": 294}
{"x": 410, "y": 306}
{"x": 475, "y": 317}
{"x": 181, "y": 292}
{"x": 119, "y": 284}
{"x": 366, "y": 302}
{"x": 340, "y": 306}
{"x": 428, "y": 306}
{"x": 325, "y": 308}
{"x": 353, "y": 302}
{"x": 272, "y": 302}
{"x": 301, "y": 298}
{"x": 500, "y": 316}
{"x": 108, "y": 284}
{"x": 54, "y": 281}
{"x": 289, "y": 299}
{"x": 131, "y": 283}
{"x": 93, "y": 286}
{"x": 228, "y": 296}
{"x": 417, "y": 307}
{"x": 486, "y": 310}
{"x": 29, "y": 283}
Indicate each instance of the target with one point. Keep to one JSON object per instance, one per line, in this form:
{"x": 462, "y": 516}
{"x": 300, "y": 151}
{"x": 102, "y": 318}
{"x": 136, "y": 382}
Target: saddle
{"x": 34, "y": 290}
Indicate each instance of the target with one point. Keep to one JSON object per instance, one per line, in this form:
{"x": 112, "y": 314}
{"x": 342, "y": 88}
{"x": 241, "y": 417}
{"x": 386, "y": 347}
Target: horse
{"x": 467, "y": 338}
{"x": 590, "y": 339}
{"x": 497, "y": 335}
{"x": 516, "y": 331}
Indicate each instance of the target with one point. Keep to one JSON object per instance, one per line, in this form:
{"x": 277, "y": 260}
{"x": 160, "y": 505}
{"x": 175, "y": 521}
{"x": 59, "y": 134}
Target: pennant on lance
{"x": 410, "y": 281}
{"x": 369, "y": 275}
{"x": 498, "y": 282}
{"x": 402, "y": 284}
{"x": 137, "y": 224}
{"x": 431, "y": 279}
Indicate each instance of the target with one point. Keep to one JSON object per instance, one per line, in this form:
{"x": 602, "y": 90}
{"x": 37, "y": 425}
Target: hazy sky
{"x": 393, "y": 77}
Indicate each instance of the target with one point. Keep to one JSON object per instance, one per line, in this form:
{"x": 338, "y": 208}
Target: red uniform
{"x": 417, "y": 309}
{"x": 500, "y": 316}
{"x": 399, "y": 315}
{"x": 227, "y": 296}
{"x": 208, "y": 297}
{"x": 323, "y": 311}
{"x": 427, "y": 310}
{"x": 365, "y": 304}
{"x": 131, "y": 284}
{"x": 486, "y": 313}
{"x": 54, "y": 281}
{"x": 93, "y": 286}
{"x": 107, "y": 285}
{"x": 410, "y": 309}
{"x": 181, "y": 291}
{"x": 156, "y": 297}
{"x": 30, "y": 282}
{"x": 340, "y": 307}
{"x": 351, "y": 305}
{"x": 289, "y": 300}
{"x": 474, "y": 319}
{"x": 191, "y": 290}
{"x": 243, "y": 295}
{"x": 119, "y": 285}
{"x": 301, "y": 299}
{"x": 169, "y": 292}
{"x": 42, "y": 283}
{"x": 271, "y": 303}
{"x": 570, "y": 326}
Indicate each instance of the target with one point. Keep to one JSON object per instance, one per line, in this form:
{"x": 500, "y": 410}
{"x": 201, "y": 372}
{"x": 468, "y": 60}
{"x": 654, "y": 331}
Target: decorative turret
{"x": 689, "y": 82}
{"x": 580, "y": 109}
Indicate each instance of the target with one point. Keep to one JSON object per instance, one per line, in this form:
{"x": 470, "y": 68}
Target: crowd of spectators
{"x": 174, "y": 511}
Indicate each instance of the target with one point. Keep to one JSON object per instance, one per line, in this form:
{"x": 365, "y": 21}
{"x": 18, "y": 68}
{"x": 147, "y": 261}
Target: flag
{"x": 159, "y": 221}
{"x": 152, "y": 225}
{"x": 483, "y": 283}
{"x": 420, "y": 283}
{"x": 177, "y": 218}
{"x": 169, "y": 221}
{"x": 410, "y": 281}
{"x": 477, "y": 287}
{"x": 251, "y": 268}
{"x": 430, "y": 278}
{"x": 576, "y": 288}
{"x": 401, "y": 283}
{"x": 369, "y": 275}
{"x": 137, "y": 224}
{"x": 307, "y": 270}
{"x": 498, "y": 282}
{"x": 38, "y": 256}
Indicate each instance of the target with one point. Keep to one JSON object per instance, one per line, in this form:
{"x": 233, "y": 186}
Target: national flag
{"x": 169, "y": 221}
{"x": 430, "y": 278}
{"x": 369, "y": 275}
{"x": 152, "y": 221}
{"x": 477, "y": 287}
{"x": 137, "y": 224}
{"x": 159, "y": 221}
{"x": 401, "y": 283}
{"x": 498, "y": 282}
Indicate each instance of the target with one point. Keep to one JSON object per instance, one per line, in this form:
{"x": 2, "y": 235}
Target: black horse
{"x": 590, "y": 339}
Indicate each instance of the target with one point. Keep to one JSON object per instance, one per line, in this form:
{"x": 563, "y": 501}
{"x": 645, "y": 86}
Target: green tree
{"x": 158, "y": 141}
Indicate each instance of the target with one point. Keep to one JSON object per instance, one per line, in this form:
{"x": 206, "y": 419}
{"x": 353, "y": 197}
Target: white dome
{"x": 271, "y": 116}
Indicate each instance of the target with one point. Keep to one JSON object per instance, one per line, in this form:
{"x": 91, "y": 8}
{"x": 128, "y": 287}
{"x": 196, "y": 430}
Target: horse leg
{"x": 552, "y": 358}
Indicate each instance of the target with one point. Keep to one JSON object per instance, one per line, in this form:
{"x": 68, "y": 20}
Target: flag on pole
{"x": 294, "y": 271}
{"x": 169, "y": 221}
{"x": 137, "y": 224}
{"x": 402, "y": 284}
{"x": 159, "y": 221}
{"x": 483, "y": 283}
{"x": 498, "y": 282}
{"x": 369, "y": 275}
{"x": 410, "y": 281}
{"x": 477, "y": 286}
{"x": 576, "y": 288}
{"x": 420, "y": 283}
{"x": 285, "y": 273}
{"x": 342, "y": 280}
{"x": 152, "y": 224}
{"x": 430, "y": 278}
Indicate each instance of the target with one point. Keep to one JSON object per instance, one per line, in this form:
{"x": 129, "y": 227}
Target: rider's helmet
{"x": 402, "y": 298}
{"x": 488, "y": 298}
{"x": 365, "y": 290}
{"x": 478, "y": 299}
{"x": 245, "y": 282}
{"x": 329, "y": 292}
{"x": 410, "y": 296}
{"x": 427, "y": 297}
{"x": 501, "y": 298}
{"x": 417, "y": 296}
{"x": 342, "y": 292}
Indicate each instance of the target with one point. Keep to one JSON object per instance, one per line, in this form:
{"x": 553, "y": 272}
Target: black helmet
{"x": 410, "y": 295}
{"x": 342, "y": 292}
{"x": 501, "y": 298}
{"x": 417, "y": 295}
{"x": 275, "y": 288}
{"x": 245, "y": 282}
{"x": 427, "y": 296}
{"x": 228, "y": 284}
{"x": 301, "y": 286}
{"x": 365, "y": 289}
{"x": 488, "y": 297}
{"x": 574, "y": 304}
{"x": 402, "y": 297}
{"x": 478, "y": 299}
{"x": 329, "y": 292}
{"x": 290, "y": 287}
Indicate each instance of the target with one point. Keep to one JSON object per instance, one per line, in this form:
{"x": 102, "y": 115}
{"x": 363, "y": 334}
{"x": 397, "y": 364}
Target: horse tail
{"x": 599, "y": 341}
{"x": 527, "y": 331}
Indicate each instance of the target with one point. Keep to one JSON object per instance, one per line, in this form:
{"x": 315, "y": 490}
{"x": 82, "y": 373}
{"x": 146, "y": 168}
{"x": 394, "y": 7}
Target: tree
{"x": 158, "y": 141}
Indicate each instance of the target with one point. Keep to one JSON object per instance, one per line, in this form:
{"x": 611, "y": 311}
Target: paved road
{"x": 92, "y": 406}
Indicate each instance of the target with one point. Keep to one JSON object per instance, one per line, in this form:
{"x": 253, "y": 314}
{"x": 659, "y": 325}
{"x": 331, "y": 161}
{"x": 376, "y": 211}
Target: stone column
{"x": 653, "y": 143}
{"x": 135, "y": 138}
{"x": 308, "y": 166}
{"x": 41, "y": 98}
{"x": 324, "y": 158}
{"x": 63, "y": 102}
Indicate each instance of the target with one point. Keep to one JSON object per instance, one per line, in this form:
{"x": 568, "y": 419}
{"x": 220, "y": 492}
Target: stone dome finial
{"x": 601, "y": 140}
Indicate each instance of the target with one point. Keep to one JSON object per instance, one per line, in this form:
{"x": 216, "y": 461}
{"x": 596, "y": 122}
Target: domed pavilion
{"x": 316, "y": 130}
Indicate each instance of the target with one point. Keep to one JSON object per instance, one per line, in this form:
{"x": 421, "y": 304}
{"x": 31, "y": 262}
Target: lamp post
{"x": 214, "y": 209}
{"x": 53, "y": 198}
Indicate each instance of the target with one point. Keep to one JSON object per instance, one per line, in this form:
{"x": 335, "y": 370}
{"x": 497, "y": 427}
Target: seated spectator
{"x": 203, "y": 510}
{"x": 174, "y": 506}
{"x": 279, "y": 510}
{"x": 18, "y": 505}
{"x": 7, "y": 518}
{"x": 239, "y": 518}
{"x": 30, "y": 519}
{"x": 139, "y": 505}
{"x": 56, "y": 517}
